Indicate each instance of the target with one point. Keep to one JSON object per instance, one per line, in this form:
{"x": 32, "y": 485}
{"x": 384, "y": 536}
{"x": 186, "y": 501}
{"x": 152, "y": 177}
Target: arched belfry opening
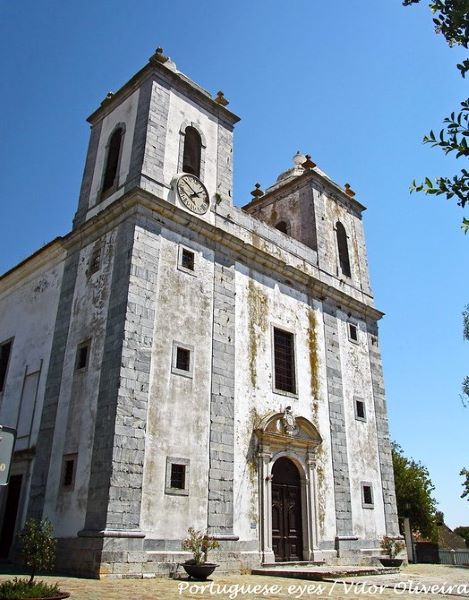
{"x": 342, "y": 246}
{"x": 286, "y": 454}
{"x": 283, "y": 226}
{"x": 287, "y": 528}
{"x": 111, "y": 169}
{"x": 192, "y": 151}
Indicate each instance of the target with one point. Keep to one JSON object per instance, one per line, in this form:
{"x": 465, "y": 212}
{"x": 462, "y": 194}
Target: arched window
{"x": 282, "y": 226}
{"x": 342, "y": 245}
{"x": 192, "y": 151}
{"x": 111, "y": 175}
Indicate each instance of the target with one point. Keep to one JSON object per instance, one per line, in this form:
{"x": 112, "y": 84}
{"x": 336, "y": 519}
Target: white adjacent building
{"x": 176, "y": 361}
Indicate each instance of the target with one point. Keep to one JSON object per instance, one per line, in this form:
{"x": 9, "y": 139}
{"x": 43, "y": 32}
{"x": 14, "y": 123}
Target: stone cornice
{"x": 50, "y": 254}
{"x": 241, "y": 240}
{"x": 172, "y": 77}
{"x": 299, "y": 181}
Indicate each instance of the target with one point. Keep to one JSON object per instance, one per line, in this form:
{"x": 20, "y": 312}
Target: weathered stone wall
{"x": 178, "y": 425}
{"x": 76, "y": 403}
{"x": 382, "y": 432}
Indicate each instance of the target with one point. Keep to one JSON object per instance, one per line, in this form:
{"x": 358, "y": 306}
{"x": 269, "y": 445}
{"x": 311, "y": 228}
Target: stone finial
{"x": 159, "y": 56}
{"x": 298, "y": 159}
{"x": 308, "y": 164}
{"x": 349, "y": 191}
{"x": 108, "y": 97}
{"x": 257, "y": 192}
{"x": 220, "y": 99}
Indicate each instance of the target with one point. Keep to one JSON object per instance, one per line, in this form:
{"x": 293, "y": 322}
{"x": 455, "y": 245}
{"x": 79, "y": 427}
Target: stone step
{"x": 299, "y": 563}
{"x": 323, "y": 572}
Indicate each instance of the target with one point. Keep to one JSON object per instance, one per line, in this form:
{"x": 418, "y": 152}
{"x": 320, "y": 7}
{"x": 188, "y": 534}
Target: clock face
{"x": 193, "y": 194}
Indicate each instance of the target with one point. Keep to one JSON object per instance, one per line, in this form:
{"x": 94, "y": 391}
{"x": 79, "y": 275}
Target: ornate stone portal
{"x": 296, "y": 438}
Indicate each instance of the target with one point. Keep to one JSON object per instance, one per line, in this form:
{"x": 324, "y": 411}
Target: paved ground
{"x": 251, "y": 587}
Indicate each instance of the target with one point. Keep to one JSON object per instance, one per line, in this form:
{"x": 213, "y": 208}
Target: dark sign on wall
{"x": 7, "y": 443}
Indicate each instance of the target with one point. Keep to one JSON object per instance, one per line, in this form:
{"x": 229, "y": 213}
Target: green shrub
{"x": 37, "y": 546}
{"x": 391, "y": 546}
{"x": 15, "y": 589}
{"x": 199, "y": 544}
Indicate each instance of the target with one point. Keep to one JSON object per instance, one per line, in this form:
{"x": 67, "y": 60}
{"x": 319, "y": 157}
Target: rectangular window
{"x": 186, "y": 260}
{"x": 183, "y": 358}
{"x": 83, "y": 351}
{"x": 177, "y": 476}
{"x": 95, "y": 261}
{"x": 284, "y": 361}
{"x": 352, "y": 332}
{"x": 360, "y": 413}
{"x": 367, "y": 495}
{"x": 5, "y": 351}
{"x": 68, "y": 471}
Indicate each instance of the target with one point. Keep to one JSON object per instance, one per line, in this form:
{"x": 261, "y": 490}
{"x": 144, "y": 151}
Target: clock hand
{"x": 189, "y": 185}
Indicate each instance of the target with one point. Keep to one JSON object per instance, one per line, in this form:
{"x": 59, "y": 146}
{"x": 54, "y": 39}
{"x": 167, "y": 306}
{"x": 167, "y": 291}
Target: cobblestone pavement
{"x": 237, "y": 587}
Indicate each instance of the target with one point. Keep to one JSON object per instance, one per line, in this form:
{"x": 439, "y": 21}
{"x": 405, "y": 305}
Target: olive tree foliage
{"x": 465, "y": 484}
{"x": 37, "y": 546}
{"x": 464, "y": 533}
{"x": 451, "y": 19}
{"x": 414, "y": 490}
{"x": 465, "y": 383}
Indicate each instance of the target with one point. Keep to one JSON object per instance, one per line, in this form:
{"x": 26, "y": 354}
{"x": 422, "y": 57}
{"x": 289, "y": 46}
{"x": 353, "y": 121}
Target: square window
{"x": 367, "y": 495}
{"x": 177, "y": 476}
{"x": 83, "y": 351}
{"x": 360, "y": 413}
{"x": 68, "y": 471}
{"x": 183, "y": 359}
{"x": 352, "y": 332}
{"x": 95, "y": 261}
{"x": 186, "y": 260}
{"x": 5, "y": 351}
{"x": 284, "y": 361}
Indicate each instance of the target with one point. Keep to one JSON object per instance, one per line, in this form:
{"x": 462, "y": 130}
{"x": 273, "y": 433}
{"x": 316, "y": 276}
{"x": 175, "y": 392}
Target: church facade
{"x": 176, "y": 361}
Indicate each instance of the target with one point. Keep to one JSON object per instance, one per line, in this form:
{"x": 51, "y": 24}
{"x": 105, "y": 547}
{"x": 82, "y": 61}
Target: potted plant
{"x": 37, "y": 554}
{"x": 199, "y": 544}
{"x": 392, "y": 547}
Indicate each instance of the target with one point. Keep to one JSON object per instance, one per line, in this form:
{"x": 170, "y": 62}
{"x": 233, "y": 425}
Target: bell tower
{"x": 159, "y": 124}
{"x": 305, "y": 204}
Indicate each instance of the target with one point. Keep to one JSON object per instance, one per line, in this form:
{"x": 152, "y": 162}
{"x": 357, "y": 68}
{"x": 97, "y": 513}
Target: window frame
{"x": 84, "y": 344}
{"x": 351, "y": 324}
{"x": 363, "y": 485}
{"x": 174, "y": 369}
{"x": 275, "y": 389}
{"x": 357, "y": 400}
{"x": 65, "y": 459}
{"x": 8, "y": 362}
{"x": 185, "y": 462}
{"x": 181, "y": 249}
{"x": 95, "y": 260}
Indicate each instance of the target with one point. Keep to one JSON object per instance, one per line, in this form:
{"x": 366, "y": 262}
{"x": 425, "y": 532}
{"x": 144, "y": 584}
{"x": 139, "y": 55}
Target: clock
{"x": 192, "y": 193}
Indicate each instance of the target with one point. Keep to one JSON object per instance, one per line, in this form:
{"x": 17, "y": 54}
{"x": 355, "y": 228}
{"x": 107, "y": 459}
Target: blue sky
{"x": 354, "y": 83}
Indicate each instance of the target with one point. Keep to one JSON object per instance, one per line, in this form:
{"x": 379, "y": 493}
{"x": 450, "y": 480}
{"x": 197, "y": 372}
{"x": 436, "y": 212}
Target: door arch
{"x": 287, "y": 527}
{"x": 283, "y": 435}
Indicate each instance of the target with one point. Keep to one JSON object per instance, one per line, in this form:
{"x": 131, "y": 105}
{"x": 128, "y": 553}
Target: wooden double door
{"x": 287, "y": 538}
